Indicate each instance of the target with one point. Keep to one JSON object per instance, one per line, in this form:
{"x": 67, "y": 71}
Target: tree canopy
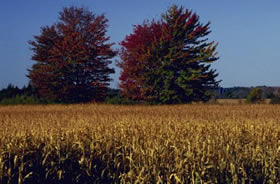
{"x": 168, "y": 61}
{"x": 72, "y": 57}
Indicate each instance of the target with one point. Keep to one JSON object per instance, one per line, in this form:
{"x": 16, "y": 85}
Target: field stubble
{"x": 140, "y": 144}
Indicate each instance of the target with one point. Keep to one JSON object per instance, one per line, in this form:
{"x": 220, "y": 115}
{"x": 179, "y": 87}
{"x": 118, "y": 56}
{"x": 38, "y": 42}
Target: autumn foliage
{"x": 134, "y": 55}
{"x": 168, "y": 61}
{"x": 72, "y": 57}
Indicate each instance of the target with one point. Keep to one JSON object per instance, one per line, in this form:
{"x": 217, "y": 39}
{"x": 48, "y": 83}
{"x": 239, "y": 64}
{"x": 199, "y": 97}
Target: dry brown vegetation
{"x": 140, "y": 144}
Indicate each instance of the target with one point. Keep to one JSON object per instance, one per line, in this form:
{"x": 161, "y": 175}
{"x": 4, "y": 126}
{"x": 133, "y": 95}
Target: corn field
{"x": 140, "y": 144}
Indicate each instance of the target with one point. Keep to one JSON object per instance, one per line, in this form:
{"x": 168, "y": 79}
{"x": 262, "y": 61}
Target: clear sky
{"x": 248, "y": 33}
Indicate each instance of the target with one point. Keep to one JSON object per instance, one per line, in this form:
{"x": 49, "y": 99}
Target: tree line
{"x": 165, "y": 61}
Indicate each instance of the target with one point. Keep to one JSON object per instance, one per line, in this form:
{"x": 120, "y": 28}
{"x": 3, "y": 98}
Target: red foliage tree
{"x": 169, "y": 61}
{"x": 72, "y": 58}
{"x": 134, "y": 54}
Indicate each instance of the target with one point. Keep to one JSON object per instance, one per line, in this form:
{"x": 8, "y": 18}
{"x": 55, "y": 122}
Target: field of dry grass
{"x": 140, "y": 144}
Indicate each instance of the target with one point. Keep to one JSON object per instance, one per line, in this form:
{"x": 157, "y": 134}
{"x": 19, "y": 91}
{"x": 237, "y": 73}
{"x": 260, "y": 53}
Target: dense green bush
{"x": 19, "y": 99}
{"x": 255, "y": 96}
{"x": 275, "y": 100}
{"x": 24, "y": 99}
{"x": 118, "y": 100}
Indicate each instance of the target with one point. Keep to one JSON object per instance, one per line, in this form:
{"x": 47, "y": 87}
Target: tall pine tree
{"x": 181, "y": 60}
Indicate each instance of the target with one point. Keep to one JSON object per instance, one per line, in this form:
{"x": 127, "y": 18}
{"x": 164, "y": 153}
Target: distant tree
{"x": 9, "y": 92}
{"x": 174, "y": 63}
{"x": 255, "y": 95}
{"x": 72, "y": 57}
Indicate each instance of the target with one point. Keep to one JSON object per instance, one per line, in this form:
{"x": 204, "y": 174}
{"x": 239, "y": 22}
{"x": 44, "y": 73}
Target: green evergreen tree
{"x": 179, "y": 63}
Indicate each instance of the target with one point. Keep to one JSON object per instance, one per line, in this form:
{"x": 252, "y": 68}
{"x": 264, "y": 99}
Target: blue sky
{"x": 248, "y": 33}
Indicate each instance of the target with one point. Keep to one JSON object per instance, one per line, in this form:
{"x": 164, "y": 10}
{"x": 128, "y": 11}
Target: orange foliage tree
{"x": 72, "y": 58}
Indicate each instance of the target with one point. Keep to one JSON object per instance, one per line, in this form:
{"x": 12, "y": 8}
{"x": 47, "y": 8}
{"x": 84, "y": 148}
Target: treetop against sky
{"x": 247, "y": 33}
